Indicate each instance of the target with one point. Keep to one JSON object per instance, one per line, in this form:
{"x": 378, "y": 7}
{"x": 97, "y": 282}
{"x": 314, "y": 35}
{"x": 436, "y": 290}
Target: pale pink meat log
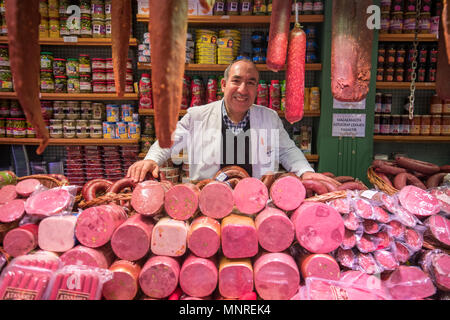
{"x": 159, "y": 276}
{"x": 235, "y": 277}
{"x": 239, "y": 237}
{"x": 12, "y": 210}
{"x": 203, "y": 238}
{"x": 169, "y": 237}
{"x": 21, "y": 240}
{"x": 26, "y": 187}
{"x": 320, "y": 266}
{"x": 275, "y": 230}
{"x": 250, "y": 195}
{"x": 287, "y": 193}
{"x": 181, "y": 201}
{"x": 198, "y": 276}
{"x": 57, "y": 233}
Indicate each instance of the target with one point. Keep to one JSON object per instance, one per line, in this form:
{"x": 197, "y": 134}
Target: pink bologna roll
{"x": 21, "y": 240}
{"x": 235, "y": 277}
{"x": 26, "y": 187}
{"x": 100, "y": 257}
{"x": 169, "y": 237}
{"x": 418, "y": 201}
{"x": 124, "y": 284}
{"x": 49, "y": 202}
{"x": 275, "y": 230}
{"x": 181, "y": 201}
{"x": 319, "y": 228}
{"x": 131, "y": 240}
{"x": 216, "y": 200}
{"x": 239, "y": 237}
{"x": 148, "y": 197}
{"x": 57, "y": 233}
{"x": 12, "y": 210}
{"x": 159, "y": 276}
{"x": 198, "y": 276}
{"x": 276, "y": 276}
{"x": 96, "y": 225}
{"x": 287, "y": 193}
{"x": 204, "y": 237}
{"x": 8, "y": 193}
{"x": 409, "y": 283}
{"x": 320, "y": 266}
{"x": 250, "y": 195}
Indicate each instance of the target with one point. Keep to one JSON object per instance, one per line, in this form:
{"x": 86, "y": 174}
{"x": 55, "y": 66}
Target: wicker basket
{"x": 107, "y": 198}
{"x": 47, "y": 181}
{"x": 379, "y": 183}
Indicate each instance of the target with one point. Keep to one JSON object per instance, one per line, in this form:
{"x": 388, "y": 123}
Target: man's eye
{"x": 251, "y": 84}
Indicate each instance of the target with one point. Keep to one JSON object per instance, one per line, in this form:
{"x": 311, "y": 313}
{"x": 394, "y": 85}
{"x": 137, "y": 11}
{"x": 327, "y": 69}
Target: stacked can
{"x": 98, "y": 14}
{"x": 144, "y": 52}
{"x": 75, "y": 162}
{"x": 122, "y": 122}
{"x": 235, "y": 42}
{"x": 147, "y": 134}
{"x": 205, "y": 46}
{"x": 225, "y": 51}
{"x": 259, "y": 47}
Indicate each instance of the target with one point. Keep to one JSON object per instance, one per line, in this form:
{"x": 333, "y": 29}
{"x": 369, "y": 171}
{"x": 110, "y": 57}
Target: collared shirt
{"x": 235, "y": 128}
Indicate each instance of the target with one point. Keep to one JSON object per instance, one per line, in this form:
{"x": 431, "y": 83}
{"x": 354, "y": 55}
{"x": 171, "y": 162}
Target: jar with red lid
{"x": 129, "y": 75}
{"x": 398, "y": 74}
{"x": 381, "y": 55}
{"x": 98, "y": 63}
{"x": 388, "y": 75}
{"x": 432, "y": 54}
{"x": 385, "y": 22}
{"x": 421, "y": 73}
{"x": 129, "y": 88}
{"x": 397, "y": 5}
{"x": 425, "y": 123}
{"x": 422, "y": 54}
{"x": 400, "y": 55}
{"x": 98, "y": 75}
{"x": 390, "y": 56}
{"x": 410, "y": 6}
{"x": 409, "y": 23}
{"x": 110, "y": 86}
{"x": 99, "y": 86}
{"x": 431, "y": 73}
{"x": 435, "y": 126}
{"x": 425, "y": 23}
{"x": 109, "y": 63}
{"x": 396, "y": 23}
{"x": 380, "y": 74}
{"x": 109, "y": 74}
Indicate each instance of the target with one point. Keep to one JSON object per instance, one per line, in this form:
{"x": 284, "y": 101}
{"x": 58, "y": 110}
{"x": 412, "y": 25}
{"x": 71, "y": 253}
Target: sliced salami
{"x": 363, "y": 209}
{"x": 413, "y": 239}
{"x": 417, "y": 201}
{"x": 26, "y": 187}
{"x": 8, "y": 193}
{"x": 181, "y": 201}
{"x": 198, "y": 276}
{"x": 383, "y": 240}
{"x": 371, "y": 226}
{"x": 216, "y": 200}
{"x": 159, "y": 276}
{"x": 381, "y": 215}
{"x": 409, "y": 283}
{"x": 49, "y": 202}
{"x": 12, "y": 210}
{"x": 275, "y": 230}
{"x": 401, "y": 252}
{"x": 341, "y": 205}
{"x": 395, "y": 229}
{"x": 367, "y": 244}
{"x": 250, "y": 195}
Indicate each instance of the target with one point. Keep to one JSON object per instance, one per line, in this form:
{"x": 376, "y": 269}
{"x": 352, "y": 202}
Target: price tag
{"x": 70, "y": 39}
{"x": 369, "y": 194}
{"x": 225, "y": 17}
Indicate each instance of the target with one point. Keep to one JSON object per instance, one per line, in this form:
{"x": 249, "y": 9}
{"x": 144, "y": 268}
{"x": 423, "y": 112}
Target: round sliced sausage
{"x": 287, "y": 193}
{"x": 216, "y": 200}
{"x": 239, "y": 237}
{"x": 8, "y": 193}
{"x": 26, "y": 187}
{"x": 198, "y": 276}
{"x": 148, "y": 197}
{"x": 124, "y": 283}
{"x": 275, "y": 230}
{"x": 204, "y": 237}
{"x": 159, "y": 276}
{"x": 181, "y": 201}
{"x": 235, "y": 277}
{"x": 250, "y": 195}
{"x": 320, "y": 266}
{"x": 12, "y": 210}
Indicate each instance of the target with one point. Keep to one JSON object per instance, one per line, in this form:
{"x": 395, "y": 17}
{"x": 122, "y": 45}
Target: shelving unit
{"x": 76, "y": 96}
{"x": 222, "y": 67}
{"x": 72, "y": 142}
{"x": 74, "y": 41}
{"x": 406, "y": 85}
{"x": 237, "y": 20}
{"x": 406, "y": 37}
{"x": 411, "y": 139}
{"x": 151, "y": 112}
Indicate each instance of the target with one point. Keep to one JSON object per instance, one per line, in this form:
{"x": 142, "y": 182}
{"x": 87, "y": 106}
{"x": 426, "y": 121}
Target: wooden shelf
{"x": 406, "y": 85}
{"x": 67, "y": 142}
{"x": 74, "y": 41}
{"x": 77, "y": 96}
{"x": 406, "y": 37}
{"x": 237, "y": 20}
{"x": 310, "y": 158}
{"x": 151, "y": 112}
{"x": 403, "y": 139}
{"x": 222, "y": 67}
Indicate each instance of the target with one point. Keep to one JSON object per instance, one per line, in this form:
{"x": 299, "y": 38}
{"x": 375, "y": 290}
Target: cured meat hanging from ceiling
{"x": 351, "y": 50}
{"x": 22, "y": 18}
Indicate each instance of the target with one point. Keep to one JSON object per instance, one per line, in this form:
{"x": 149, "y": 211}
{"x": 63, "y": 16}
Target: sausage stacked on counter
{"x": 239, "y": 236}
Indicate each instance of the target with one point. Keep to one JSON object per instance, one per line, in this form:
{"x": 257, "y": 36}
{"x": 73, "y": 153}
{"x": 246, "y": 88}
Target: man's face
{"x": 241, "y": 87}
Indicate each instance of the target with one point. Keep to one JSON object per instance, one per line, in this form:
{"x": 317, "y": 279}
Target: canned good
{"x": 435, "y": 126}
{"x": 134, "y": 130}
{"x": 396, "y": 22}
{"x": 425, "y": 125}
{"x": 56, "y": 128}
{"x": 121, "y": 130}
{"x": 95, "y": 129}
{"x": 110, "y": 86}
{"x": 82, "y": 129}
{"x": 126, "y": 112}
{"x": 72, "y": 67}
{"x": 314, "y": 100}
{"x": 445, "y": 127}
{"x": 436, "y": 105}
{"x": 97, "y": 111}
{"x": 98, "y": 63}
{"x": 99, "y": 86}
{"x": 109, "y": 130}
{"x": 85, "y": 84}
{"x": 59, "y": 109}
{"x": 112, "y": 113}
{"x": 446, "y": 106}
{"x": 109, "y": 64}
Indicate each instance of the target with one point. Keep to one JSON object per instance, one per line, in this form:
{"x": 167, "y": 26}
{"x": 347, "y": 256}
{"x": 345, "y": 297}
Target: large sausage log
{"x": 131, "y": 240}
{"x": 402, "y": 179}
{"x": 235, "y": 277}
{"x": 169, "y": 237}
{"x": 239, "y": 237}
{"x": 57, "y": 234}
{"x": 287, "y": 280}
{"x": 22, "y": 19}
{"x": 417, "y": 165}
{"x": 204, "y": 237}
{"x": 21, "y": 240}
{"x": 198, "y": 276}
{"x": 407, "y": 283}
{"x": 12, "y": 210}
{"x": 295, "y": 75}
{"x": 148, "y": 197}
{"x": 275, "y": 230}
{"x": 250, "y": 195}
{"x": 120, "y": 36}
{"x": 159, "y": 276}
{"x": 278, "y": 34}
{"x": 216, "y": 200}
{"x": 181, "y": 201}
{"x": 95, "y": 187}
{"x": 320, "y": 266}
{"x": 124, "y": 283}
{"x": 351, "y": 50}
{"x": 287, "y": 193}
{"x": 101, "y": 257}
{"x": 168, "y": 29}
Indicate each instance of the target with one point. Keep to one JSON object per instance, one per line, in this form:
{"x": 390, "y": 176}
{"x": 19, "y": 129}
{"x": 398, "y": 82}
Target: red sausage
{"x": 385, "y": 178}
{"x": 295, "y": 75}
{"x": 122, "y": 184}
{"x": 343, "y": 179}
{"x": 403, "y": 179}
{"x": 443, "y": 63}
{"x": 97, "y": 187}
{"x": 278, "y": 34}
{"x": 203, "y": 183}
{"x": 352, "y": 186}
{"x": 233, "y": 182}
{"x": 435, "y": 180}
{"x": 445, "y": 168}
{"x": 315, "y": 186}
{"x": 230, "y": 172}
{"x": 417, "y": 165}
{"x": 268, "y": 179}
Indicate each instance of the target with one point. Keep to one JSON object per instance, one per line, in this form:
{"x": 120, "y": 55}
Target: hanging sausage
{"x": 351, "y": 50}
{"x": 22, "y": 18}
{"x": 168, "y": 31}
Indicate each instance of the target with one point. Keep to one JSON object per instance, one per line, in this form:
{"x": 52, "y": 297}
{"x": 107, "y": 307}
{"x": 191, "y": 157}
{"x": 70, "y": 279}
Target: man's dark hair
{"x": 227, "y": 70}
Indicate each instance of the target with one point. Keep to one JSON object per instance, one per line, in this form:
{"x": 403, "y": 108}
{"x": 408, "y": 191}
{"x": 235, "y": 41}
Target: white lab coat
{"x": 199, "y": 134}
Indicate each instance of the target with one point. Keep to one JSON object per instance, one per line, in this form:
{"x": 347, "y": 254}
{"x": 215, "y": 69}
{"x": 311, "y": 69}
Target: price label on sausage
{"x": 349, "y": 125}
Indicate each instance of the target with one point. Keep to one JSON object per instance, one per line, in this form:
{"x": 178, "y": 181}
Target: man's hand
{"x": 138, "y": 170}
{"x": 318, "y": 176}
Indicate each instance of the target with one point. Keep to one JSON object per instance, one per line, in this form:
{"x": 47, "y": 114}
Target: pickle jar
{"x": 86, "y": 26}
{"x": 82, "y": 129}
{"x": 72, "y": 67}
{"x": 47, "y": 82}
{"x": 30, "y": 131}
{"x": 20, "y": 128}
{"x": 4, "y": 58}
{"x": 56, "y": 128}
{"x": 63, "y": 28}
{"x": 2, "y": 127}
{"x": 98, "y": 10}
{"x": 85, "y": 84}
{"x": 59, "y": 67}
{"x": 84, "y": 65}
{"x": 108, "y": 9}
{"x": 46, "y": 60}
{"x": 60, "y": 84}
{"x": 98, "y": 29}
{"x": 73, "y": 85}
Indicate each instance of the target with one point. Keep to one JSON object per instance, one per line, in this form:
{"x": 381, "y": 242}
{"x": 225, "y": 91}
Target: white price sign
{"x": 349, "y": 125}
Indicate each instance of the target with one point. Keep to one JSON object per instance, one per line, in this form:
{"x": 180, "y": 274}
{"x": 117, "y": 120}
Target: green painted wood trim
{"x": 343, "y": 156}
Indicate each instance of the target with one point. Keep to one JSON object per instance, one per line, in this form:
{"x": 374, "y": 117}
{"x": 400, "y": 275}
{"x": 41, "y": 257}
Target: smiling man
{"x": 231, "y": 131}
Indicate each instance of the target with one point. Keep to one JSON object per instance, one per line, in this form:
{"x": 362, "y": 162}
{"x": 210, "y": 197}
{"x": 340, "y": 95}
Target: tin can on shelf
{"x": 112, "y": 113}
{"x": 126, "y": 112}
{"x": 134, "y": 130}
{"x": 425, "y": 125}
{"x": 446, "y": 106}
{"x": 109, "y": 130}
{"x": 435, "y": 126}
{"x": 436, "y": 105}
{"x": 121, "y": 130}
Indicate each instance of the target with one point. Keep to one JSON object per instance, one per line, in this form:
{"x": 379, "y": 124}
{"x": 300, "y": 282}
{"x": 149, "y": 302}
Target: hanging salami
{"x": 168, "y": 31}
{"x": 278, "y": 34}
{"x": 295, "y": 75}
{"x": 120, "y": 33}
{"x": 351, "y": 50}
{"x": 22, "y": 18}
{"x": 443, "y": 67}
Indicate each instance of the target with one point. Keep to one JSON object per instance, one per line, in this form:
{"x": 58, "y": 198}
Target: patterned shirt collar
{"x": 235, "y": 128}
